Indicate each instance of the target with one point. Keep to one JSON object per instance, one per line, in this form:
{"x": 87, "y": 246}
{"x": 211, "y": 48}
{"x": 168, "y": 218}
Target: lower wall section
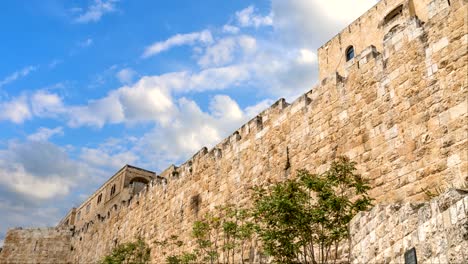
{"x": 438, "y": 230}
{"x": 38, "y": 245}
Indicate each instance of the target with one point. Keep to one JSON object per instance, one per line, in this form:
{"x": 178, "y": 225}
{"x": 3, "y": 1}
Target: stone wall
{"x": 438, "y": 230}
{"x": 400, "y": 114}
{"x": 39, "y": 245}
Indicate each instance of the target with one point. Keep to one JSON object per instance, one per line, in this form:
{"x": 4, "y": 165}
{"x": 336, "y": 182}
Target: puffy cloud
{"x": 190, "y": 130}
{"x": 310, "y": 23}
{"x": 248, "y": 44}
{"x": 46, "y": 104}
{"x": 24, "y": 107}
{"x": 247, "y": 18}
{"x": 17, "y": 75}
{"x": 222, "y": 106}
{"x": 38, "y": 170}
{"x": 126, "y": 75}
{"x": 218, "y": 78}
{"x": 107, "y": 158}
{"x": 219, "y": 53}
{"x": 230, "y": 29}
{"x": 203, "y": 37}
{"x": 146, "y": 100}
{"x": 43, "y": 133}
{"x": 225, "y": 49}
{"x": 17, "y": 110}
{"x": 96, "y": 10}
{"x": 151, "y": 99}
{"x": 96, "y": 112}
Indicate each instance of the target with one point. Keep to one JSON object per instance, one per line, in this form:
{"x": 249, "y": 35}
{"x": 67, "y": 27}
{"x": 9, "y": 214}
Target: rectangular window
{"x": 88, "y": 207}
{"x": 78, "y": 216}
{"x": 99, "y": 198}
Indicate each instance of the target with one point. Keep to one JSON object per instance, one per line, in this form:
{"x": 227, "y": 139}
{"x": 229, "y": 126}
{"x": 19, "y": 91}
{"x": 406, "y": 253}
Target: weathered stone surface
{"x": 39, "y": 245}
{"x": 398, "y": 109}
{"x": 437, "y": 229}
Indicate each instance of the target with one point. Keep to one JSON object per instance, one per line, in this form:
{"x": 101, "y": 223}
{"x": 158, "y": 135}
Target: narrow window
{"x": 99, "y": 198}
{"x": 88, "y": 207}
{"x": 78, "y": 216}
{"x": 112, "y": 190}
{"x": 349, "y": 53}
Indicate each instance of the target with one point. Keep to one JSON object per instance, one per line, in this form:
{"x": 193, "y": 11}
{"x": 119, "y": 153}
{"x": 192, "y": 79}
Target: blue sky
{"x": 87, "y": 86}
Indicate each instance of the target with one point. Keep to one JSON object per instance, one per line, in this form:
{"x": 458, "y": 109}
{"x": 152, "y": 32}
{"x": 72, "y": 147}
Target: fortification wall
{"x": 400, "y": 114}
{"x": 438, "y": 230}
{"x": 39, "y": 245}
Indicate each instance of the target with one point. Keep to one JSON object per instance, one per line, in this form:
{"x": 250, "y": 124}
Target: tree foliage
{"x": 301, "y": 220}
{"x": 304, "y": 220}
{"x": 136, "y": 252}
{"x": 222, "y": 236}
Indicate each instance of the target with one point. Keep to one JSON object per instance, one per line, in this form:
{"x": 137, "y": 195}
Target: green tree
{"x": 136, "y": 252}
{"x": 171, "y": 244}
{"x": 222, "y": 236}
{"x": 227, "y": 232}
{"x": 305, "y": 219}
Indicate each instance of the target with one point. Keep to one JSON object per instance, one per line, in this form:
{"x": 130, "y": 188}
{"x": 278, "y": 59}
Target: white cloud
{"x": 219, "y": 53}
{"x": 95, "y": 11}
{"x": 225, "y": 49}
{"x": 46, "y": 104}
{"x": 307, "y": 56}
{"x": 101, "y": 157}
{"x": 150, "y": 99}
{"x": 248, "y": 44}
{"x": 256, "y": 109}
{"x": 192, "y": 128}
{"x": 44, "y": 133}
{"x": 39, "y": 170}
{"x": 247, "y": 18}
{"x": 96, "y": 112}
{"x": 222, "y": 106}
{"x": 17, "y": 75}
{"x": 230, "y": 29}
{"x": 126, "y": 75}
{"x": 218, "y": 78}
{"x": 26, "y": 106}
{"x": 203, "y": 37}
{"x": 16, "y": 110}
{"x": 310, "y": 23}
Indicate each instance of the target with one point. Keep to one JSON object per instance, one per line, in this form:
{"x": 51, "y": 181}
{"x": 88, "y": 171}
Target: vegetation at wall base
{"x": 300, "y": 220}
{"x": 136, "y": 252}
{"x": 303, "y": 220}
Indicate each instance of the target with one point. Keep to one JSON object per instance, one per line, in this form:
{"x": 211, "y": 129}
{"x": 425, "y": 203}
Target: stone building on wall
{"x": 392, "y": 96}
{"x": 128, "y": 181}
